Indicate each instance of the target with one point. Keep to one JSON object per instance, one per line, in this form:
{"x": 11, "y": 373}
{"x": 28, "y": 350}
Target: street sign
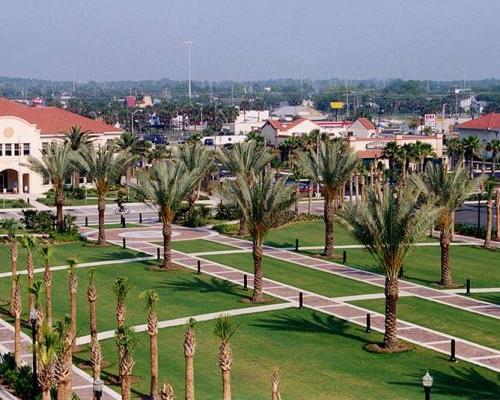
{"x": 336, "y": 105}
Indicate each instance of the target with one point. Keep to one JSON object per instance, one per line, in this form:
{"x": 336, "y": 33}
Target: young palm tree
{"x": 46, "y": 253}
{"x": 455, "y": 150}
{"x": 47, "y": 352}
{"x": 488, "y": 188}
{"x": 275, "y": 386}
{"x": 167, "y": 392}
{"x": 263, "y": 202}
{"x": 224, "y": 330}
{"x": 126, "y": 343}
{"x": 17, "y": 309}
{"x": 29, "y": 243}
{"x": 449, "y": 190}
{"x": 391, "y": 152}
{"x": 95, "y": 354}
{"x": 76, "y": 139}
{"x": 388, "y": 223}
{"x": 151, "y": 297}
{"x": 72, "y": 285}
{"x": 55, "y": 164}
{"x": 471, "y": 146}
{"x": 189, "y": 350}
{"x": 103, "y": 168}
{"x": 36, "y": 291}
{"x": 11, "y": 226}
{"x": 121, "y": 288}
{"x": 63, "y": 368}
{"x": 167, "y": 185}
{"x": 243, "y": 160}
{"x": 495, "y": 150}
{"x": 332, "y": 165}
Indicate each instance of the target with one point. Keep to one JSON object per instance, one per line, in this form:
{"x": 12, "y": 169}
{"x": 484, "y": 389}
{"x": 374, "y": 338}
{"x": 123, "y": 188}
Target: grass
{"x": 463, "y": 324}
{"x": 14, "y": 203}
{"x": 305, "y": 278}
{"x": 319, "y": 357}
{"x": 488, "y": 297}
{"x": 198, "y": 246}
{"x": 85, "y": 252}
{"x": 182, "y": 294}
{"x": 49, "y": 201}
{"x": 422, "y": 266}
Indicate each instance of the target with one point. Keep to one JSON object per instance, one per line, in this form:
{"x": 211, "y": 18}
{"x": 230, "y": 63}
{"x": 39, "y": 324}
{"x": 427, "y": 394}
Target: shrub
{"x": 227, "y": 211}
{"x": 227, "y": 229}
{"x": 38, "y": 221}
{"x": 19, "y": 380}
{"x": 74, "y": 193}
{"x": 471, "y": 230}
{"x": 198, "y": 218}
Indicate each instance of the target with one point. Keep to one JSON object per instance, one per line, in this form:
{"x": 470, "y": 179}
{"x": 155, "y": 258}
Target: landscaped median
{"x": 318, "y": 356}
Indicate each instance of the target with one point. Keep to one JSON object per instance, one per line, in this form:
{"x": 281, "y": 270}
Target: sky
{"x": 250, "y": 39}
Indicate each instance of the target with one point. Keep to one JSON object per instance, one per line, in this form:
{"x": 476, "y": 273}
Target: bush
{"x": 198, "y": 218}
{"x": 19, "y": 380}
{"x": 38, "y": 221}
{"x": 74, "y": 193}
{"x": 227, "y": 211}
{"x": 471, "y": 230}
{"x": 227, "y": 229}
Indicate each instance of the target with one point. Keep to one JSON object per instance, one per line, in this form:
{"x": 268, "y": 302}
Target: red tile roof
{"x": 53, "y": 120}
{"x": 487, "y": 122}
{"x": 285, "y": 126}
{"x": 366, "y": 123}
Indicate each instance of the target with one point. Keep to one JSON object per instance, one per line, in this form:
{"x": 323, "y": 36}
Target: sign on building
{"x": 336, "y": 105}
{"x": 430, "y": 121}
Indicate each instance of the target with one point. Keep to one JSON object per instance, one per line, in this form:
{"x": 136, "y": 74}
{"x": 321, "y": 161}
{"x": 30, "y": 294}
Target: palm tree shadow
{"x": 465, "y": 383}
{"x": 197, "y": 284}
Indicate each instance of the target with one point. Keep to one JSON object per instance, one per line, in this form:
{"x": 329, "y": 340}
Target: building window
{"x": 26, "y": 149}
{"x": 46, "y": 179}
{"x": 1, "y": 149}
{"x": 8, "y": 149}
{"x": 17, "y": 149}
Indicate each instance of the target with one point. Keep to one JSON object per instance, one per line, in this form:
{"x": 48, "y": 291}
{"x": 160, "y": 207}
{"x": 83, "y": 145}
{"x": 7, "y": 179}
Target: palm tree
{"x": 11, "y": 226}
{"x": 424, "y": 151}
{"x": 256, "y": 136}
{"x": 189, "y": 350}
{"x": 488, "y": 188}
{"x": 495, "y": 150}
{"x": 243, "y": 160}
{"x": 16, "y": 305}
{"x": 263, "y": 203}
{"x": 29, "y": 243}
{"x": 455, "y": 150}
{"x": 47, "y": 352}
{"x": 151, "y": 297}
{"x": 391, "y": 151}
{"x": 72, "y": 285}
{"x": 167, "y": 185}
{"x": 126, "y": 343}
{"x": 95, "y": 354}
{"x": 134, "y": 145}
{"x": 121, "y": 288}
{"x": 332, "y": 165}
{"x": 471, "y": 146}
{"x": 497, "y": 213}
{"x": 76, "y": 139}
{"x": 449, "y": 191}
{"x": 63, "y": 368}
{"x": 224, "y": 330}
{"x": 388, "y": 223}
{"x": 275, "y": 386}
{"x": 103, "y": 168}
{"x": 46, "y": 253}
{"x": 167, "y": 392}
{"x": 56, "y": 165}
{"x": 36, "y": 290}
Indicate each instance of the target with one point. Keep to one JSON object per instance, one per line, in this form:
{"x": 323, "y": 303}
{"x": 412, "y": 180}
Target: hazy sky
{"x": 250, "y": 39}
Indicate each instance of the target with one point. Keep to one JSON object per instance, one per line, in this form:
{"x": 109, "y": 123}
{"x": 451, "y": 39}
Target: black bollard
{"x": 86, "y": 221}
{"x": 245, "y": 282}
{"x": 122, "y": 220}
{"x": 140, "y": 218}
{"x": 467, "y": 289}
{"x": 158, "y": 253}
{"x": 301, "y": 300}
{"x": 297, "y": 245}
{"x": 368, "y": 323}
{"x": 124, "y": 243}
{"x": 452, "y": 352}
{"x": 344, "y": 257}
{"x": 198, "y": 267}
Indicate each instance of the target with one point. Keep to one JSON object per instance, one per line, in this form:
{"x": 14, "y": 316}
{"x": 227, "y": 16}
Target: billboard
{"x": 430, "y": 121}
{"x": 336, "y": 105}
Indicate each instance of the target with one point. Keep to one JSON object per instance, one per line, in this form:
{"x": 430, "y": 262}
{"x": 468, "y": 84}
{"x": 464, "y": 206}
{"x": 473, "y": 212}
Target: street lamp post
{"x": 427, "y": 380}
{"x": 132, "y": 118}
{"x": 189, "y": 44}
{"x": 33, "y": 321}
{"x": 97, "y": 387}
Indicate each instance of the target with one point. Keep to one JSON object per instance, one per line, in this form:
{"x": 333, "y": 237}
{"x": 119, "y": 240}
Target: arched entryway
{"x": 9, "y": 181}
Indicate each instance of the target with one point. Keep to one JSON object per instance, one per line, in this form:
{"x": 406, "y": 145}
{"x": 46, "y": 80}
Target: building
{"x": 362, "y": 128}
{"x": 486, "y": 127}
{"x": 25, "y": 130}
{"x": 248, "y": 121}
{"x": 334, "y": 128}
{"x": 275, "y": 131}
{"x": 306, "y": 111}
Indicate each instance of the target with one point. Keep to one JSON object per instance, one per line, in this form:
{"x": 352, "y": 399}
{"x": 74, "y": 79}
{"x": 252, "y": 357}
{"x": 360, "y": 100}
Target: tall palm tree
{"x": 134, "y": 145}
{"x": 29, "y": 243}
{"x": 73, "y": 286}
{"x": 243, "y": 160}
{"x": 189, "y": 350}
{"x": 56, "y": 165}
{"x": 63, "y": 368}
{"x": 46, "y": 253}
{"x": 95, "y": 354}
{"x": 264, "y": 203}
{"x": 11, "y": 225}
{"x": 151, "y": 297}
{"x": 423, "y": 151}
{"x": 391, "y": 151}
{"x": 76, "y": 139}
{"x": 224, "y": 330}
{"x": 47, "y": 353}
{"x": 488, "y": 188}
{"x": 167, "y": 392}
{"x": 16, "y": 305}
{"x": 103, "y": 168}
{"x": 332, "y": 165}
{"x": 167, "y": 185}
{"x": 126, "y": 343}
{"x": 449, "y": 191}
{"x": 388, "y": 223}
{"x": 275, "y": 386}
{"x": 121, "y": 288}
{"x": 494, "y": 147}
{"x": 455, "y": 150}
{"x": 36, "y": 291}
{"x": 198, "y": 160}
{"x": 471, "y": 146}
{"x": 497, "y": 213}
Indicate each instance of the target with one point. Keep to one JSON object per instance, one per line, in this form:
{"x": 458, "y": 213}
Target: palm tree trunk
{"x": 489, "y": 223}
{"x": 46, "y": 394}
{"x": 191, "y": 200}
{"x": 29, "y": 267}
{"x": 444, "y": 243}
{"x": 189, "y": 378}
{"x": 76, "y": 179}
{"x": 101, "y": 207}
{"x": 226, "y": 384}
{"x": 297, "y": 197}
{"x": 153, "y": 344}
{"x": 257, "y": 253}
{"x": 309, "y": 198}
{"x": 13, "y": 260}
{"x": 17, "y": 340}
{"x": 59, "y": 208}
{"x": 243, "y": 227}
{"x": 329, "y": 214}
{"x": 125, "y": 387}
{"x": 497, "y": 212}
{"x": 48, "y": 294}
{"x": 72, "y": 312}
{"x": 167, "y": 245}
{"x": 391, "y": 292}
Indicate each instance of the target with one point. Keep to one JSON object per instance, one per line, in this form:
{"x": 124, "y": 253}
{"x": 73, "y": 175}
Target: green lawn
{"x": 85, "y": 252}
{"x": 305, "y": 278}
{"x": 422, "y": 265}
{"x": 49, "y": 201}
{"x": 463, "y": 324}
{"x": 13, "y": 203}
{"x": 489, "y": 297}
{"x": 319, "y": 357}
{"x": 182, "y": 294}
{"x": 198, "y": 246}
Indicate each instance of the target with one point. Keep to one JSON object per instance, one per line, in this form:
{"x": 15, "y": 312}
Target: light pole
{"x": 33, "y": 322}
{"x": 132, "y": 118}
{"x": 427, "y": 380}
{"x": 189, "y": 44}
{"x": 97, "y": 387}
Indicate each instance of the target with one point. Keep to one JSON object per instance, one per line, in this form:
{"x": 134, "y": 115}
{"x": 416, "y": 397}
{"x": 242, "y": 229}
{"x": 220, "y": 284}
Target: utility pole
{"x": 189, "y": 44}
